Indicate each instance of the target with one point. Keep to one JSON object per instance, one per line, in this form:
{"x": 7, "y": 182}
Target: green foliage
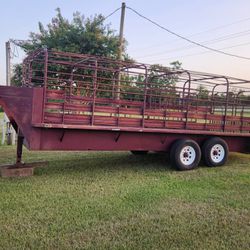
{"x": 81, "y": 35}
{"x": 16, "y": 78}
{"x": 176, "y": 65}
{"x": 202, "y": 92}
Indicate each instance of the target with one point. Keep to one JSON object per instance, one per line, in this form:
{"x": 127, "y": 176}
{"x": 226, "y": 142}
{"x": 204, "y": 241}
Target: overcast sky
{"x": 220, "y": 24}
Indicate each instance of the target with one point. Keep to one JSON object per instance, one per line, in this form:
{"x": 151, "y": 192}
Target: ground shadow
{"x": 107, "y": 161}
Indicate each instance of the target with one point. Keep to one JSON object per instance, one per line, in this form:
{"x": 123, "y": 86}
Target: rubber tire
{"x": 206, "y": 148}
{"x": 176, "y": 150}
{"x": 134, "y": 152}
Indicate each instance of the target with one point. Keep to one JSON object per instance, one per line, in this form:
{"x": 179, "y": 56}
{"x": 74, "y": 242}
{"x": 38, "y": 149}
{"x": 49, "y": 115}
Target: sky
{"x": 220, "y": 24}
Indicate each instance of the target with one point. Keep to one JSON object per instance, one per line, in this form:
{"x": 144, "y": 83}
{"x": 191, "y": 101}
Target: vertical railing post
{"x": 226, "y": 105}
{"x": 242, "y": 110}
{"x": 30, "y": 73}
{"x": 71, "y": 80}
{"x": 94, "y": 94}
{"x": 24, "y": 72}
{"x": 242, "y": 118}
{"x": 236, "y": 101}
{"x": 45, "y": 81}
{"x": 183, "y": 93}
{"x": 188, "y": 99}
{"x": 213, "y": 101}
{"x": 145, "y": 96}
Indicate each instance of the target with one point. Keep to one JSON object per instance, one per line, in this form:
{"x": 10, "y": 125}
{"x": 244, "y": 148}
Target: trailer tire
{"x": 215, "y": 152}
{"x": 185, "y": 154}
{"x": 135, "y": 152}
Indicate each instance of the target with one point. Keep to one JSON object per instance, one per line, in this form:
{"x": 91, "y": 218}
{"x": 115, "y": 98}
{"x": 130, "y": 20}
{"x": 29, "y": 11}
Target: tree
{"x": 202, "y": 95}
{"x": 202, "y": 92}
{"x": 176, "y": 65}
{"x": 16, "y": 78}
{"x": 81, "y": 35}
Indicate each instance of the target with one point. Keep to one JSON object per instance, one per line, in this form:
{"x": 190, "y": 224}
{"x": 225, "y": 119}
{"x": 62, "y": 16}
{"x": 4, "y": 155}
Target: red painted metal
{"x": 70, "y": 102}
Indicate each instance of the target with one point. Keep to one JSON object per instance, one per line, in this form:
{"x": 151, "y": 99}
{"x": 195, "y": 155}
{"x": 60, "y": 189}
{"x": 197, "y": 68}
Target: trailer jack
{"x": 19, "y": 169}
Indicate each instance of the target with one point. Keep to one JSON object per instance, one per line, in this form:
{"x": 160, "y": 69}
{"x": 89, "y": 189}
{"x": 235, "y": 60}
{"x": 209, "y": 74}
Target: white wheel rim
{"x": 187, "y": 155}
{"x": 217, "y": 153}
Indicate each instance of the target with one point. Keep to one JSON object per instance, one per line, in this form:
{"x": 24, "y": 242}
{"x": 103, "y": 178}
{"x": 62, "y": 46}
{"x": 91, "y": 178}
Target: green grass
{"x": 104, "y": 200}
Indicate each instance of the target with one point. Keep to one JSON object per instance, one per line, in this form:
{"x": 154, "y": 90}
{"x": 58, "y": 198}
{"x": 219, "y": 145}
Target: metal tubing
{"x": 94, "y": 94}
{"x": 188, "y": 99}
{"x": 226, "y": 106}
{"x": 145, "y": 95}
{"x": 45, "y": 76}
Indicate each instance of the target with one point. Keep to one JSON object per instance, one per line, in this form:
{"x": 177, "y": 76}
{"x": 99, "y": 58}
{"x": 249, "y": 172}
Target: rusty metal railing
{"x": 82, "y": 89}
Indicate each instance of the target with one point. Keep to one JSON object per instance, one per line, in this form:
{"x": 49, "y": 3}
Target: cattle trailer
{"x": 71, "y": 101}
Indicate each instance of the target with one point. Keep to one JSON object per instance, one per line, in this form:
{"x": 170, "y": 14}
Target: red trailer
{"x": 82, "y": 102}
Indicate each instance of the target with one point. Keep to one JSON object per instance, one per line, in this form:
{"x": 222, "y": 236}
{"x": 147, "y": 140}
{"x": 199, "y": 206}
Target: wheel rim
{"x": 217, "y": 153}
{"x": 187, "y": 155}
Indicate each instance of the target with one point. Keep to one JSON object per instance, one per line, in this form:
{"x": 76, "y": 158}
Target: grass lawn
{"x": 104, "y": 200}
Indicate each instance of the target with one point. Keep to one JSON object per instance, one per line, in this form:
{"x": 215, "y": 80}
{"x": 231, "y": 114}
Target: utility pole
{"x": 7, "y": 47}
{"x": 121, "y": 48}
{"x": 10, "y": 133}
{"x": 121, "y": 31}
